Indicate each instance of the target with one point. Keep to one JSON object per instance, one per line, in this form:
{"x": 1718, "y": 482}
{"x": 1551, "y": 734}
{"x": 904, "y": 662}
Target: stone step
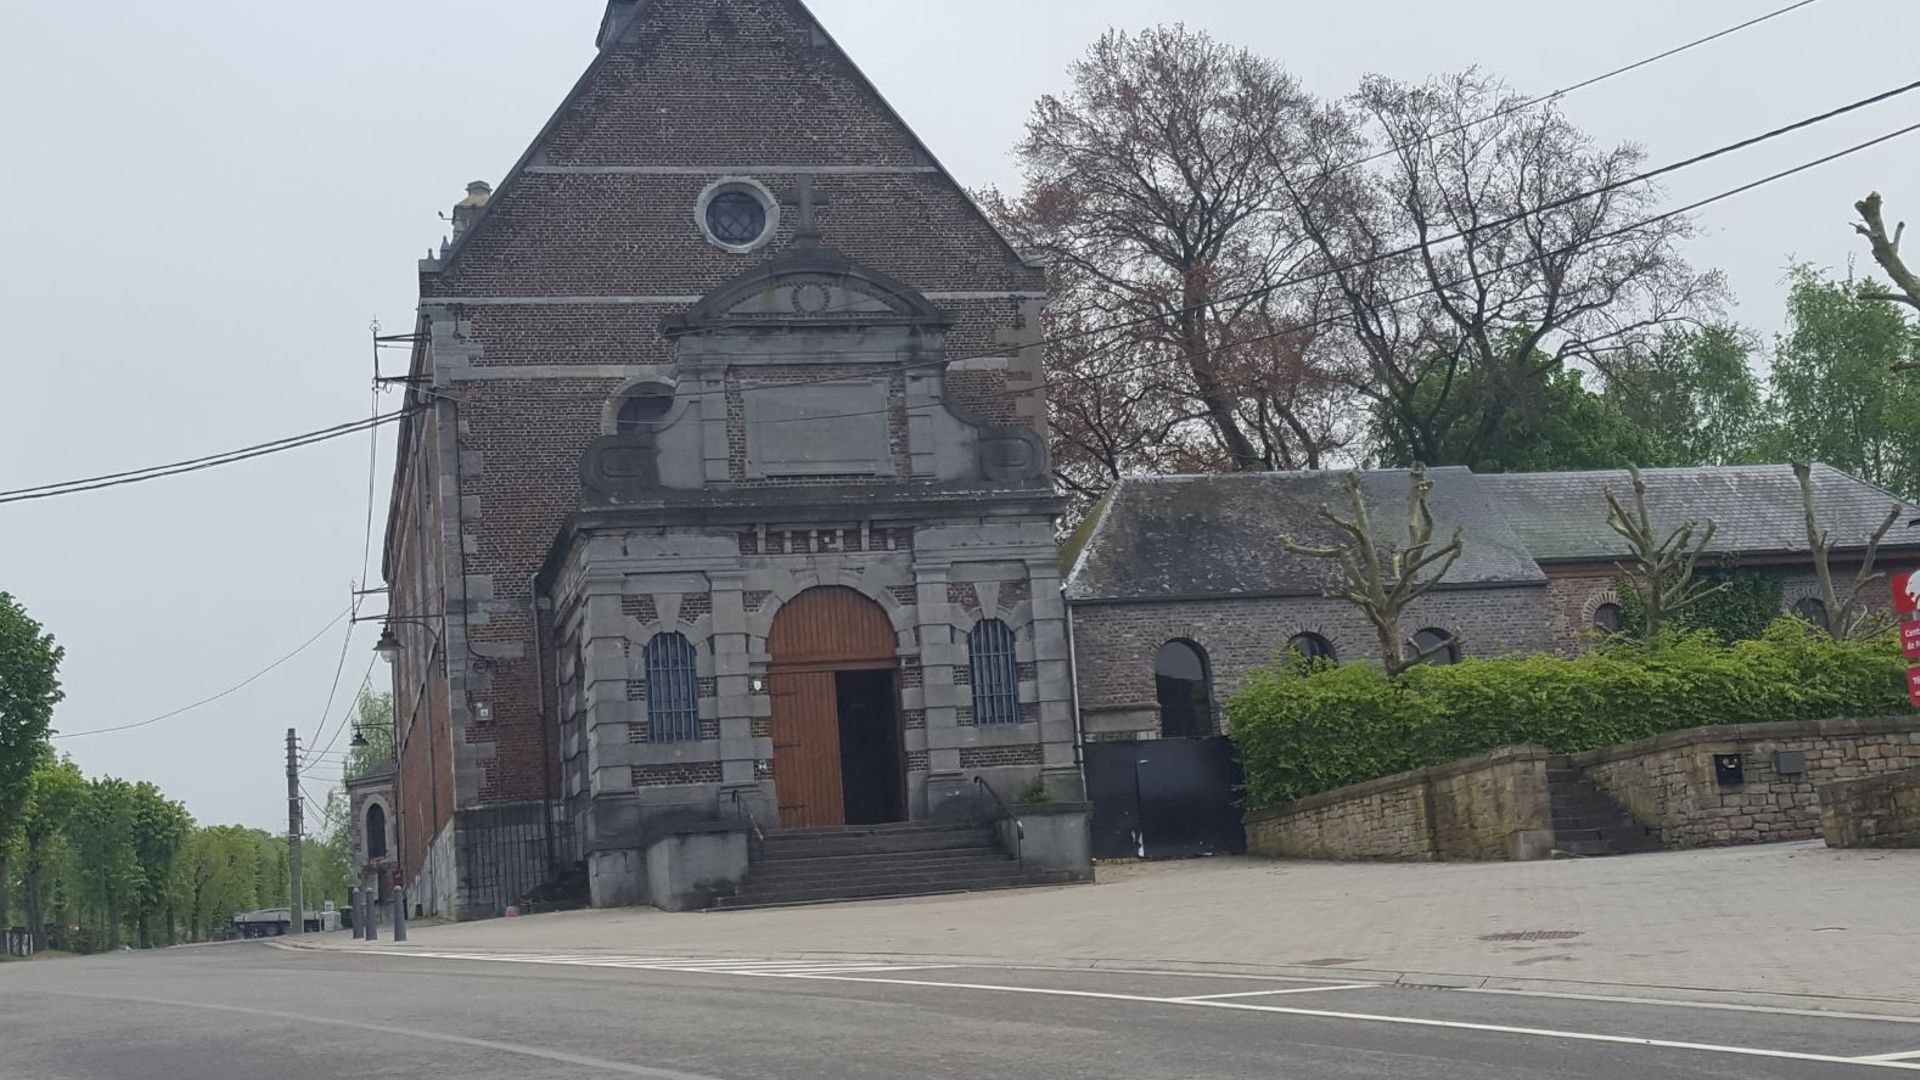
{"x": 885, "y": 862}
{"x": 888, "y": 829}
{"x": 827, "y": 881}
{"x": 1588, "y": 848}
{"x": 750, "y": 897}
{"x": 807, "y": 845}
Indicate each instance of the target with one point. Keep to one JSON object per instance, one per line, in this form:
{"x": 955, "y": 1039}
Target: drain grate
{"x": 1534, "y": 935}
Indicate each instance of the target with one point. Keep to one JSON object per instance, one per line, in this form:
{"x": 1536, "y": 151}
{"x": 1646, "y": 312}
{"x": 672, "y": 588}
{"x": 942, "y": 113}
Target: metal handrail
{"x": 743, "y": 810}
{"x": 1019, "y": 827}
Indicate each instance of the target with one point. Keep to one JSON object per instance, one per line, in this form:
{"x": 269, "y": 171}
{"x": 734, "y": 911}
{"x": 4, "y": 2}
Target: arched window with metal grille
{"x": 996, "y": 674}
{"x": 376, "y": 831}
{"x": 673, "y": 690}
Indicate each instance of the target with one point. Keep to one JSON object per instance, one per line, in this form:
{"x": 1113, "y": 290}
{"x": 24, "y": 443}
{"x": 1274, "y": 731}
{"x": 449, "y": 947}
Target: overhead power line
{"x": 155, "y": 472}
{"x": 230, "y": 691}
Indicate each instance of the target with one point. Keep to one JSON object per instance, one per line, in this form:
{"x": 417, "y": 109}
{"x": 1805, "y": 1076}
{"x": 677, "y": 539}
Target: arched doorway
{"x": 838, "y": 748}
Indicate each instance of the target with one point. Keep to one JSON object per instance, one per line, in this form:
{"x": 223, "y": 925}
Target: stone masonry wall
{"x": 1575, "y": 592}
{"x": 1875, "y": 812}
{"x": 1668, "y": 782}
{"x": 1117, "y": 643}
{"x": 1490, "y": 807}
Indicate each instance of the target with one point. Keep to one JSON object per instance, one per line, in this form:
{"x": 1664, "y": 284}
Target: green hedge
{"x": 1300, "y": 733}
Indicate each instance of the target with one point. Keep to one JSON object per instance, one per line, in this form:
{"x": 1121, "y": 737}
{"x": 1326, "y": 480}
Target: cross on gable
{"x": 807, "y": 227}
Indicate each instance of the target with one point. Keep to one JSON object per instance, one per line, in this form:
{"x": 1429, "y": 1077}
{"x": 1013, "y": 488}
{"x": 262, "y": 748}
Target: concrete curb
{"x": 1747, "y": 998}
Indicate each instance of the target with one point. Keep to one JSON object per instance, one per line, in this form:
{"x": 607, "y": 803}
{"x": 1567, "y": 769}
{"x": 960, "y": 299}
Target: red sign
{"x": 1906, "y": 593}
{"x": 1910, "y": 640}
{"x": 1913, "y": 686}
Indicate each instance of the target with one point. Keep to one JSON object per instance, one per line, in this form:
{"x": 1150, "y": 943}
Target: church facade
{"x": 727, "y": 496}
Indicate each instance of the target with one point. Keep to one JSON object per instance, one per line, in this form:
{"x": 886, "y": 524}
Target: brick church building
{"x": 727, "y": 502}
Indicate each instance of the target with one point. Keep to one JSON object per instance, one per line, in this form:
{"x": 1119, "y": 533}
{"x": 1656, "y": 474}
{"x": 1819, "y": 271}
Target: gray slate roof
{"x": 1176, "y": 537}
{"x": 1168, "y": 537}
{"x": 1562, "y": 517}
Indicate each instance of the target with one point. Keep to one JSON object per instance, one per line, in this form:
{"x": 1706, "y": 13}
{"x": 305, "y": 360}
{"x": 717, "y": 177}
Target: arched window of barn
{"x": 1437, "y": 645}
{"x": 1185, "y": 691}
{"x": 1606, "y": 618}
{"x": 996, "y": 674}
{"x": 1311, "y": 646}
{"x": 1814, "y": 610}
{"x": 376, "y": 831}
{"x": 673, "y": 690}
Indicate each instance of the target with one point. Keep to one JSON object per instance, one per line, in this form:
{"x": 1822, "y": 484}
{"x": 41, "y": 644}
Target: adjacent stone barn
{"x": 1180, "y": 585}
{"x": 728, "y": 490}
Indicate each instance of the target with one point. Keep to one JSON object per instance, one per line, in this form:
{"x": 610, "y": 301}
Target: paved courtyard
{"x": 1783, "y": 924}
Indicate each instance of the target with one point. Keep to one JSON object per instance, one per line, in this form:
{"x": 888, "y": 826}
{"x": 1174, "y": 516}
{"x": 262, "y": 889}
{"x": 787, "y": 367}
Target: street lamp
{"x": 389, "y": 644}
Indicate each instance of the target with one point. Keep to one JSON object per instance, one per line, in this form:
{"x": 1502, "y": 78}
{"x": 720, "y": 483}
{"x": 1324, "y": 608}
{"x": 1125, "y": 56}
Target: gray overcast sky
{"x": 204, "y": 202}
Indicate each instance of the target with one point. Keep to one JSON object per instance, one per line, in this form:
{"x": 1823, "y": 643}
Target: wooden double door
{"x": 839, "y": 755}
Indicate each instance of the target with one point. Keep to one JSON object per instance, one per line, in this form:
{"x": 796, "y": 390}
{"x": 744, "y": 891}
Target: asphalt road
{"x": 251, "y": 1011}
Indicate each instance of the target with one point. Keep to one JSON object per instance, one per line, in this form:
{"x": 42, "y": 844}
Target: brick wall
{"x": 557, "y": 295}
{"x": 1117, "y": 643}
{"x": 1668, "y": 782}
{"x": 1489, "y": 807}
{"x": 1574, "y": 592}
{"x": 1876, "y": 812}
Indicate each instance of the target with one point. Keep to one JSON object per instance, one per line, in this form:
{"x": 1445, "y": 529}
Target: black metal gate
{"x": 1165, "y": 799}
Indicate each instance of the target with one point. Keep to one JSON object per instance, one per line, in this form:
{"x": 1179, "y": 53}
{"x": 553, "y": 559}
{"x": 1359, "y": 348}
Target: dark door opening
{"x": 872, "y": 759}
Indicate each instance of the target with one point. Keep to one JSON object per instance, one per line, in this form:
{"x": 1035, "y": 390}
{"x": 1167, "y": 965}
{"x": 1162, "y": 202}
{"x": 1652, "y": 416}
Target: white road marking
{"x": 876, "y": 978}
{"x": 1270, "y": 993}
{"x": 1669, "y": 1003}
{"x": 307, "y": 1019}
{"x": 1908, "y": 1056}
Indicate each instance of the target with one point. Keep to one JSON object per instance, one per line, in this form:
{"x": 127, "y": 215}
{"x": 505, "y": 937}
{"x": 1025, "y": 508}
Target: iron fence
{"x": 520, "y": 857}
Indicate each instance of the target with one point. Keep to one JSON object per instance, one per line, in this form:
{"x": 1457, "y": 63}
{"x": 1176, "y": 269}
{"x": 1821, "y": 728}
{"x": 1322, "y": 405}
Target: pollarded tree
{"x": 1381, "y": 578}
{"x": 1853, "y": 617}
{"x": 1661, "y": 572}
{"x": 1151, "y": 189}
{"x": 1886, "y": 250}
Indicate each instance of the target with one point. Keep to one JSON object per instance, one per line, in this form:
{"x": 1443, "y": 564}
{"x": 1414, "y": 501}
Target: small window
{"x": 996, "y": 674}
{"x": 644, "y": 409}
{"x": 1606, "y": 618}
{"x": 1437, "y": 645}
{"x": 1185, "y": 691}
{"x": 673, "y": 690}
{"x": 376, "y": 831}
{"x": 1311, "y": 646}
{"x": 1814, "y": 611}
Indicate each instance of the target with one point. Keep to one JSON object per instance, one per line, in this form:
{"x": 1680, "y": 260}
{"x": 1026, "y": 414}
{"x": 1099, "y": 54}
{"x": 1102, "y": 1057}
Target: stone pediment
{"x": 808, "y": 287}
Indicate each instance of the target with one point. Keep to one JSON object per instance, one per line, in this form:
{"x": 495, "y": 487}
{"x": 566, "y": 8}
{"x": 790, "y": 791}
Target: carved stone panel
{"x": 831, "y": 429}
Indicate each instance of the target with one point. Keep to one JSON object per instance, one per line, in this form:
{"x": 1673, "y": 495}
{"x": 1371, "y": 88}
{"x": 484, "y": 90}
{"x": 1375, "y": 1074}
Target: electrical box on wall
{"x": 1730, "y": 769}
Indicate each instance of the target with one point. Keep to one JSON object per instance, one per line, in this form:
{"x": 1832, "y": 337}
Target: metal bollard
{"x": 370, "y": 906}
{"x": 359, "y": 921}
{"x": 400, "y": 913}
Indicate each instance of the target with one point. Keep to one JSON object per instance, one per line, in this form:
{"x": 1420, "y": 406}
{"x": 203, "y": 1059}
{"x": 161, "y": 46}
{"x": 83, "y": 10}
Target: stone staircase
{"x": 1587, "y": 822}
{"x": 871, "y": 862}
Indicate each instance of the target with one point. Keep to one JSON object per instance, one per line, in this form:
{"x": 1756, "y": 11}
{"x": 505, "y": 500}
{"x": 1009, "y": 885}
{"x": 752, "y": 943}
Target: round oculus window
{"x": 736, "y": 218}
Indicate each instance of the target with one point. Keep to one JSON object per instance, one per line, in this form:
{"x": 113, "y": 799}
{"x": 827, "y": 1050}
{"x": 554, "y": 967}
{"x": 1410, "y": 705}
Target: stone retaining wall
{"x": 1490, "y": 807}
{"x": 1669, "y": 781}
{"x": 1875, "y": 812}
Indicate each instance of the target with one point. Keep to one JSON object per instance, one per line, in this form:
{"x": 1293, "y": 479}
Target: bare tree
{"x": 1886, "y": 251}
{"x": 1852, "y": 618}
{"x": 1661, "y": 573}
{"x": 1150, "y": 189}
{"x": 1445, "y": 335}
{"x": 1382, "y": 579}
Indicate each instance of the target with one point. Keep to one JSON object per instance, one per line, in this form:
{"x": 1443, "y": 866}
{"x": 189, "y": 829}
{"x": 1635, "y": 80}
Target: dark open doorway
{"x": 872, "y": 762}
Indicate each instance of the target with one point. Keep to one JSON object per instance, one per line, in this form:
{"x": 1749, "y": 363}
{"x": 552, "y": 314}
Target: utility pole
{"x": 297, "y": 924}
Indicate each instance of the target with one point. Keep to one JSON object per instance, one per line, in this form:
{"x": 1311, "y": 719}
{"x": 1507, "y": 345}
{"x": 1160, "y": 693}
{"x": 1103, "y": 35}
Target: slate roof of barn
{"x": 1219, "y": 536}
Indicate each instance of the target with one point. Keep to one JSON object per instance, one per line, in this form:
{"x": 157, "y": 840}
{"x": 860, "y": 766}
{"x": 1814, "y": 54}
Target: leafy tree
{"x": 56, "y": 791}
{"x": 1695, "y": 395}
{"x": 1553, "y": 422}
{"x": 1737, "y": 604}
{"x": 1381, "y": 578}
{"x": 1449, "y": 337}
{"x": 29, "y": 689}
{"x": 1152, "y": 190}
{"x": 1836, "y": 395}
{"x": 107, "y": 879}
{"x": 160, "y": 827}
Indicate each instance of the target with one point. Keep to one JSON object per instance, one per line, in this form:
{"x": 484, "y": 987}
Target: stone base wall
{"x": 1876, "y": 812}
{"x": 1669, "y": 782}
{"x": 1489, "y": 807}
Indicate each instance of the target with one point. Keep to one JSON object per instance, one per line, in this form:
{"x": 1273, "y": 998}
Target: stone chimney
{"x": 617, "y": 14}
{"x": 467, "y": 209}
